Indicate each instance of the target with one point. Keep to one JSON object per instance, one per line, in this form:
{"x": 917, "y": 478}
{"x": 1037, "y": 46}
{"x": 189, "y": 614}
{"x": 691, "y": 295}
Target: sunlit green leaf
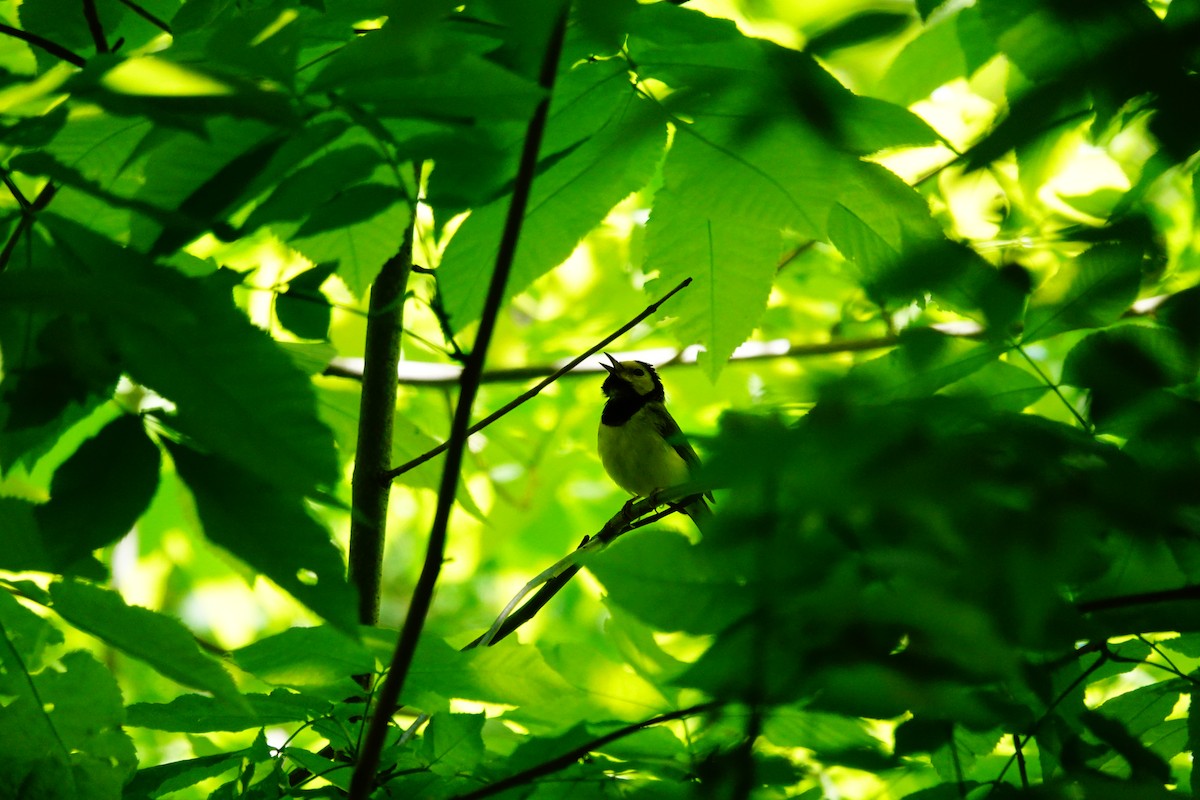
{"x": 566, "y": 201}
{"x": 160, "y": 641}
{"x": 1090, "y": 291}
{"x": 194, "y": 713}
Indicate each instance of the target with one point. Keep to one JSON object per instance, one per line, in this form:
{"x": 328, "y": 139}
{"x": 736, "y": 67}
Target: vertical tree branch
{"x": 376, "y": 413}
{"x": 94, "y": 26}
{"x": 368, "y": 757}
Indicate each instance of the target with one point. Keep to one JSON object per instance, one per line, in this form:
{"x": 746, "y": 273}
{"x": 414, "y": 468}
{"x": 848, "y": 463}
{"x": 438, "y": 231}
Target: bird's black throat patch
{"x": 620, "y": 407}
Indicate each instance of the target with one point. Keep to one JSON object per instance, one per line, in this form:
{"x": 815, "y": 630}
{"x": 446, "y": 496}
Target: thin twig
{"x": 1083, "y": 423}
{"x": 1142, "y": 598}
{"x": 41, "y": 201}
{"x": 53, "y": 48}
{"x": 146, "y": 15}
{"x": 94, "y": 26}
{"x": 529, "y": 395}
{"x": 571, "y": 756}
{"x": 363, "y": 780}
{"x": 16, "y": 192}
{"x": 1102, "y": 659}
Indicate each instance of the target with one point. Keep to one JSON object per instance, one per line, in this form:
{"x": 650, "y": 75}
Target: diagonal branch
{"x": 367, "y": 764}
{"x": 529, "y": 395}
{"x": 146, "y": 15}
{"x": 571, "y": 756}
{"x": 40, "y": 202}
{"x": 555, "y": 577}
{"x": 53, "y": 48}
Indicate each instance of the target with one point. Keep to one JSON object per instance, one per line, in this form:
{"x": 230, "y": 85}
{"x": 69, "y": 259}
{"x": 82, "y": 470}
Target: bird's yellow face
{"x": 630, "y": 378}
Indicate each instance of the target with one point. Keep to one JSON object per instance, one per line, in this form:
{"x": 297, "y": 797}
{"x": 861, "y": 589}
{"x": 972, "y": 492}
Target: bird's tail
{"x": 697, "y": 508}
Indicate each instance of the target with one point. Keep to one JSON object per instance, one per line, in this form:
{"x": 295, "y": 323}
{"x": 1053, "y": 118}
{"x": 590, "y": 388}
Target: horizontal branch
{"x": 425, "y": 373}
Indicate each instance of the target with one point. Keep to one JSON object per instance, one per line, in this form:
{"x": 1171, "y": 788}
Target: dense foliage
{"x": 956, "y": 551}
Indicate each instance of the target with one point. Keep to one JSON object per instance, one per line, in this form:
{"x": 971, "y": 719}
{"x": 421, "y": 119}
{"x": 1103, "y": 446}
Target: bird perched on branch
{"x": 641, "y": 446}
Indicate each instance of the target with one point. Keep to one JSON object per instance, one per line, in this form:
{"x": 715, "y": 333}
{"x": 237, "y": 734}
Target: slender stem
{"x": 15, "y": 190}
{"x": 53, "y": 48}
{"x": 1019, "y": 751}
{"x": 1102, "y": 659}
{"x": 1083, "y": 423}
{"x": 41, "y": 201}
{"x": 377, "y": 411}
{"x": 368, "y": 757}
{"x": 146, "y": 15}
{"x": 94, "y": 26}
{"x": 1142, "y": 598}
{"x": 570, "y": 757}
{"x": 529, "y": 395}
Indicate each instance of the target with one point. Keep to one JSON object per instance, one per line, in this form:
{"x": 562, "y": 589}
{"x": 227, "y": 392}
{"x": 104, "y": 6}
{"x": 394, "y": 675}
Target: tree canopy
{"x": 301, "y": 309}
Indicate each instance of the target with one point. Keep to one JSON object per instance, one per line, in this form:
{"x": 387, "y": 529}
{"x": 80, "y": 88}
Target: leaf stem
{"x": 1083, "y": 423}
{"x": 377, "y": 411}
{"x": 363, "y": 780}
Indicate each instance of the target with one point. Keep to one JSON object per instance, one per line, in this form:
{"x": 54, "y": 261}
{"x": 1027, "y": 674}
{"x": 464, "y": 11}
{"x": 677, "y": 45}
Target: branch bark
{"x": 367, "y": 764}
{"x": 376, "y": 414}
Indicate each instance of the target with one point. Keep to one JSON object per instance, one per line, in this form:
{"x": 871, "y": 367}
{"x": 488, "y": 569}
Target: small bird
{"x": 641, "y": 446}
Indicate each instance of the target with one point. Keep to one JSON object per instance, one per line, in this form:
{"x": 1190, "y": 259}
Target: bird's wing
{"x": 668, "y": 428}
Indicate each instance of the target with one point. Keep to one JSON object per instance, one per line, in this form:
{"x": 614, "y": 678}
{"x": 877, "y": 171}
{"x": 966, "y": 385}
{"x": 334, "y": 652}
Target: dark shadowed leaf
{"x": 271, "y": 530}
{"x": 99, "y": 492}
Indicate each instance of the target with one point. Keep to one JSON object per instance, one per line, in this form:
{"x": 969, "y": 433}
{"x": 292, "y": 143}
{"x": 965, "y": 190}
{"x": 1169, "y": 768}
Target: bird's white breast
{"x": 638, "y": 458}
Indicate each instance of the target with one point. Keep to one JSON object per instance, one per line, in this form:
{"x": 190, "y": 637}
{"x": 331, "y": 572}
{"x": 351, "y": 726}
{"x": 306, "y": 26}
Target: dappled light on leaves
{"x": 920, "y": 281}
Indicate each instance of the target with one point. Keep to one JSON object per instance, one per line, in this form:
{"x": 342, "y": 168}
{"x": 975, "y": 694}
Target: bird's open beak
{"x": 615, "y": 364}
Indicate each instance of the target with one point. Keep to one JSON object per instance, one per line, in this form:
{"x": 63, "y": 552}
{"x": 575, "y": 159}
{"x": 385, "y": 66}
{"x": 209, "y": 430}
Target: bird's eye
{"x": 639, "y": 372}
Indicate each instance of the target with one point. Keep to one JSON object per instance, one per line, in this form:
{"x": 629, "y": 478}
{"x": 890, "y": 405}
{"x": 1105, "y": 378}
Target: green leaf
{"x": 935, "y": 58}
{"x": 24, "y": 547}
{"x": 1130, "y": 358}
{"x": 302, "y": 309}
{"x": 662, "y": 579}
{"x": 722, "y": 306}
{"x": 833, "y": 738}
{"x": 29, "y": 635}
{"x": 318, "y": 661}
{"x": 359, "y": 229}
{"x": 1090, "y": 291}
{"x": 158, "y": 640}
{"x": 867, "y": 26}
{"x": 154, "y": 782}
{"x": 99, "y": 492}
{"x": 453, "y": 743}
{"x": 296, "y": 196}
{"x": 566, "y": 201}
{"x": 236, "y": 392}
{"x": 1145, "y": 764}
{"x": 61, "y": 729}
{"x": 194, "y": 713}
{"x": 270, "y": 529}
{"x": 925, "y": 362}
{"x": 1005, "y": 386}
